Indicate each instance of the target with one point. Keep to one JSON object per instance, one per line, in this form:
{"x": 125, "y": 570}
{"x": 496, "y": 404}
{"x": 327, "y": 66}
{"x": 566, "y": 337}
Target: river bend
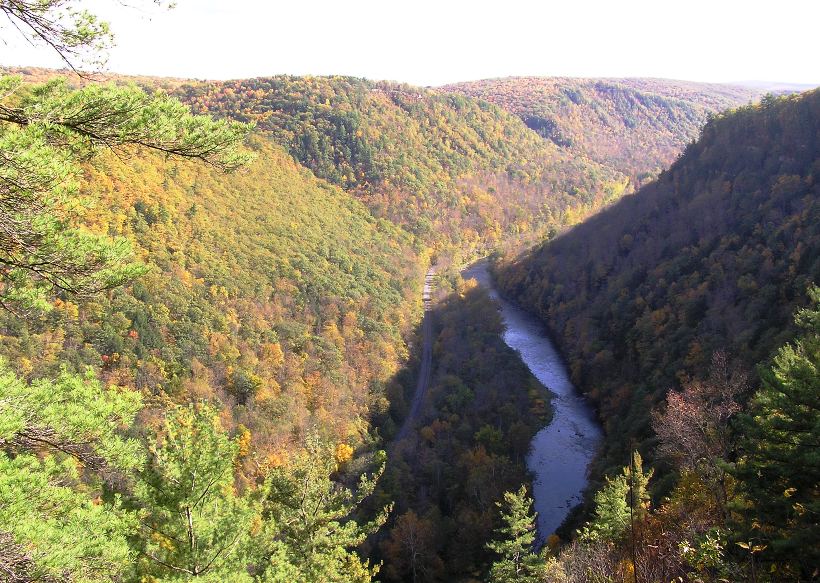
{"x": 561, "y": 452}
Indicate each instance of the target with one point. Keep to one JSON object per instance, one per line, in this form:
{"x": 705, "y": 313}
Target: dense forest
{"x": 716, "y": 254}
{"x": 634, "y": 126}
{"x": 267, "y": 290}
{"x": 482, "y": 409}
{"x": 687, "y": 285}
{"x": 257, "y": 336}
{"x": 743, "y": 500}
{"x": 461, "y": 175}
{"x": 189, "y": 357}
{"x": 210, "y": 298}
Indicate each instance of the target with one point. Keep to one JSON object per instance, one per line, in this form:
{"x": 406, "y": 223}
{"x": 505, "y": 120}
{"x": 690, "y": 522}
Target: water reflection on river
{"x": 560, "y": 453}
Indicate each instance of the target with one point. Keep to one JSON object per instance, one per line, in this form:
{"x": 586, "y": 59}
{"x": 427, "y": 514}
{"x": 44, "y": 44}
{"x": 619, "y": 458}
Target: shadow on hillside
{"x": 466, "y": 446}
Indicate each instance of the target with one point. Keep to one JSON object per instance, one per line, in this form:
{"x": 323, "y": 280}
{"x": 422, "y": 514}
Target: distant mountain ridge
{"x": 776, "y": 86}
{"x": 456, "y": 173}
{"x": 634, "y": 126}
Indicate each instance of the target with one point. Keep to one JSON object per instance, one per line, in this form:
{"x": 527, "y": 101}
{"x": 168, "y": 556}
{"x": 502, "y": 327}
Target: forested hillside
{"x": 211, "y": 297}
{"x": 42, "y": 75}
{"x": 715, "y": 255}
{"x": 482, "y": 409}
{"x": 461, "y": 175}
{"x": 259, "y": 346}
{"x": 256, "y": 346}
{"x": 188, "y": 357}
{"x": 635, "y": 126}
{"x": 268, "y": 291}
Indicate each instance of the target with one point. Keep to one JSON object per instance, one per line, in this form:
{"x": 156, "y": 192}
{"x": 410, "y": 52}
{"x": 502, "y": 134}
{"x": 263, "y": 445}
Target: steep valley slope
{"x": 715, "y": 255}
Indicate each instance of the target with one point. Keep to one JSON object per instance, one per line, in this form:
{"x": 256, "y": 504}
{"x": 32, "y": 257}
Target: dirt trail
{"x": 426, "y": 368}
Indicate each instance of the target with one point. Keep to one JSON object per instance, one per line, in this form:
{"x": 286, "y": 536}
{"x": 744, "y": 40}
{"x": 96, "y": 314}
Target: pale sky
{"x": 427, "y": 42}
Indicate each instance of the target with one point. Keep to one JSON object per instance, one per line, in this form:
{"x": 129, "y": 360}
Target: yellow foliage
{"x": 26, "y": 366}
{"x": 274, "y": 460}
{"x": 244, "y": 441}
{"x": 272, "y": 354}
{"x": 428, "y": 433}
{"x": 344, "y": 453}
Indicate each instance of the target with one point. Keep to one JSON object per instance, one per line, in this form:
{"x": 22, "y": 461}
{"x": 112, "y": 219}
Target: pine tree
{"x": 514, "y": 541}
{"x": 60, "y": 443}
{"x": 611, "y": 515}
{"x": 311, "y": 532}
{"x": 195, "y": 523}
{"x": 781, "y": 467}
{"x": 623, "y": 499}
{"x": 46, "y": 131}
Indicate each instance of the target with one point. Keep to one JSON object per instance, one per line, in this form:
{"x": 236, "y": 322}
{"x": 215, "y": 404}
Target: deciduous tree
{"x": 694, "y": 430}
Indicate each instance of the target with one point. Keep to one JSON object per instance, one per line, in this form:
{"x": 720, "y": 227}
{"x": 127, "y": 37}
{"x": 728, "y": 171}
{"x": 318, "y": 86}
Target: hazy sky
{"x": 433, "y": 42}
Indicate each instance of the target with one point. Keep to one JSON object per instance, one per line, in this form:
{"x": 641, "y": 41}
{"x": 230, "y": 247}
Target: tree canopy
{"x": 45, "y": 132}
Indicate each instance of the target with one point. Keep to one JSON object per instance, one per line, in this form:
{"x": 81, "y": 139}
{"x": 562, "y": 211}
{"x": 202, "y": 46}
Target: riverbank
{"x": 468, "y": 443}
{"x": 561, "y": 452}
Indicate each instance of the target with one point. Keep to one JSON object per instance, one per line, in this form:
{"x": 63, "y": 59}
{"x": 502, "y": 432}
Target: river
{"x": 561, "y": 452}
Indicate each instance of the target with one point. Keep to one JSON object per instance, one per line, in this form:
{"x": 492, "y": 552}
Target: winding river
{"x": 560, "y": 453}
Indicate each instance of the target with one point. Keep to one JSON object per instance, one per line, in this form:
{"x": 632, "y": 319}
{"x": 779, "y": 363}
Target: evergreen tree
{"x": 622, "y": 499}
{"x": 195, "y": 523}
{"x": 514, "y": 542}
{"x": 77, "y": 36}
{"x": 781, "y": 468}
{"x": 310, "y": 528}
{"x": 46, "y": 131}
{"x": 58, "y": 439}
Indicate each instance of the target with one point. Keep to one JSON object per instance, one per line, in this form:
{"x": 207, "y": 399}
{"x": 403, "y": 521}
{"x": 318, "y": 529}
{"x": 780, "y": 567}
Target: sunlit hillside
{"x": 635, "y": 126}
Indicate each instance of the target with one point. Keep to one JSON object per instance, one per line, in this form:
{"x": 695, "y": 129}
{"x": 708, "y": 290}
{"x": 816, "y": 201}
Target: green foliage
{"x": 194, "y": 522}
{"x": 311, "y": 534}
{"x": 68, "y": 415}
{"x": 611, "y": 514}
{"x": 64, "y": 533}
{"x": 57, "y": 438}
{"x": 707, "y": 554}
{"x": 622, "y": 500}
{"x": 514, "y": 541}
{"x": 780, "y": 469}
{"x": 76, "y": 35}
{"x": 45, "y": 131}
